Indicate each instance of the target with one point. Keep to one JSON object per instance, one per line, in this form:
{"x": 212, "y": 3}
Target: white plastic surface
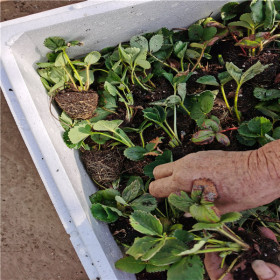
{"x": 98, "y": 24}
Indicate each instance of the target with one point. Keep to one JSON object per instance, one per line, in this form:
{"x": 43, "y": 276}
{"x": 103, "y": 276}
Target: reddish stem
{"x": 236, "y": 40}
{"x": 229, "y": 129}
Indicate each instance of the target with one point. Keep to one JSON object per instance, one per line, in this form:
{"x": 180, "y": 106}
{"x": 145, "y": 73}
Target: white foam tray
{"x": 98, "y": 24}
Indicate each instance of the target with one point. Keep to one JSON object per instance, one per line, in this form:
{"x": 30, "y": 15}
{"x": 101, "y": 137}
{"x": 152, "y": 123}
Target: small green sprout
{"x": 241, "y": 78}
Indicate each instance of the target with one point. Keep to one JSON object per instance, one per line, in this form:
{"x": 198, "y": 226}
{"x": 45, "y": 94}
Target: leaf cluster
{"x": 257, "y": 130}
{"x": 201, "y": 207}
{"x": 60, "y": 70}
{"x": 211, "y": 130}
{"x": 159, "y": 250}
{"x": 269, "y": 102}
{"x": 262, "y": 16}
{"x": 108, "y": 205}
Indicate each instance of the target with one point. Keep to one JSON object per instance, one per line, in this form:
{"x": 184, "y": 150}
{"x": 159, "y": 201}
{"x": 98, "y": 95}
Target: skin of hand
{"x": 264, "y": 271}
{"x": 243, "y": 180}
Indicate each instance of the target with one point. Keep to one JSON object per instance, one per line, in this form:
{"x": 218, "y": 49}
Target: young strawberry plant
{"x": 211, "y": 129}
{"x": 71, "y": 78}
{"x": 166, "y": 246}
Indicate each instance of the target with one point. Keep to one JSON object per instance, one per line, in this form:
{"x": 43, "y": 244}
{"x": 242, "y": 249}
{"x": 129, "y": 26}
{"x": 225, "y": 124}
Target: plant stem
{"x": 225, "y": 98}
{"x": 166, "y": 208}
{"x": 160, "y": 213}
{"x": 210, "y": 250}
{"x": 74, "y": 69}
{"x": 100, "y": 70}
{"x": 152, "y": 84}
{"x": 182, "y": 64}
{"x": 145, "y": 88}
{"x": 234, "y": 238}
{"x": 114, "y": 138}
{"x": 131, "y": 75}
{"x": 70, "y": 77}
{"x": 99, "y": 185}
{"x": 236, "y": 40}
{"x": 172, "y": 132}
{"x": 259, "y": 219}
{"x": 229, "y": 268}
{"x": 212, "y": 241}
{"x": 166, "y": 130}
{"x": 142, "y": 139}
{"x": 87, "y": 82}
{"x": 228, "y": 129}
{"x": 190, "y": 61}
{"x": 175, "y": 123}
{"x": 128, "y": 115}
{"x": 184, "y": 107}
{"x": 253, "y": 50}
{"x": 128, "y": 111}
{"x": 199, "y": 59}
{"x": 127, "y": 143}
{"x": 157, "y": 59}
{"x": 235, "y": 103}
{"x": 232, "y": 232}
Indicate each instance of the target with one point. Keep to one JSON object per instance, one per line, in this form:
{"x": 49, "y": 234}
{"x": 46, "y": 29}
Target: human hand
{"x": 263, "y": 270}
{"x": 243, "y": 179}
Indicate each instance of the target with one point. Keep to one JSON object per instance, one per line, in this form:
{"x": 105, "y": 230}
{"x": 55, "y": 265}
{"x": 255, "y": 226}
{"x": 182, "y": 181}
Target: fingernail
{"x": 262, "y": 270}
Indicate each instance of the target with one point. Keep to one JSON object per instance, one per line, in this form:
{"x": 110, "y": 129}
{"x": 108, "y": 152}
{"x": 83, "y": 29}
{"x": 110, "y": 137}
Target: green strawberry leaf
{"x": 145, "y": 202}
{"x": 260, "y": 126}
{"x": 105, "y": 213}
{"x": 135, "y": 153}
{"x": 168, "y": 254}
{"x": 205, "y": 213}
{"x": 130, "y": 265}
{"x": 133, "y": 189}
{"x": 230, "y": 217}
{"x": 181, "y": 202}
{"x": 188, "y": 268}
{"x": 266, "y": 94}
{"x": 53, "y": 43}
{"x": 141, "y": 245}
{"x": 146, "y": 223}
{"x": 92, "y": 58}
{"x": 208, "y": 80}
{"x": 156, "y": 43}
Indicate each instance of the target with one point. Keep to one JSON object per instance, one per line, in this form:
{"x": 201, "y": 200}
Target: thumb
{"x": 266, "y": 271}
{"x": 212, "y": 263}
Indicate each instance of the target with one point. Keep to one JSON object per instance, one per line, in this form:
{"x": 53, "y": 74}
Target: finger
{"x": 212, "y": 263}
{"x": 162, "y": 187}
{"x": 268, "y": 233}
{"x": 163, "y": 170}
{"x": 266, "y": 271}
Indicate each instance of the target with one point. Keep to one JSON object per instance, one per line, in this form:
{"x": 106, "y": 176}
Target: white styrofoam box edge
{"x": 44, "y": 172}
{"x": 18, "y": 26}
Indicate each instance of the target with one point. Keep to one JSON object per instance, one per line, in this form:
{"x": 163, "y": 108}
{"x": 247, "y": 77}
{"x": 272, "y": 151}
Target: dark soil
{"x": 123, "y": 231}
{"x": 162, "y": 91}
{"x": 151, "y": 276}
{"x": 77, "y": 105}
{"x": 261, "y": 249}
